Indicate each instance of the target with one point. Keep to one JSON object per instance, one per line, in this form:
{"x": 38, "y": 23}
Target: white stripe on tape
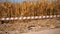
{"x": 58, "y": 15}
{"x": 40, "y": 17}
{"x": 24, "y": 17}
{"x": 20, "y": 18}
{"x": 30, "y": 17}
{"x": 54, "y": 16}
{"x": 36, "y": 17}
{"x": 3, "y": 19}
{"x": 51, "y": 16}
{"x": 11, "y": 18}
{"x": 44, "y": 16}
{"x": 7, "y": 18}
{"x": 47, "y": 16}
{"x": 16, "y": 18}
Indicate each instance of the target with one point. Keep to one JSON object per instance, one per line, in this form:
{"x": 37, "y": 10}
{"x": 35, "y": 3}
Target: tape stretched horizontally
{"x": 30, "y": 17}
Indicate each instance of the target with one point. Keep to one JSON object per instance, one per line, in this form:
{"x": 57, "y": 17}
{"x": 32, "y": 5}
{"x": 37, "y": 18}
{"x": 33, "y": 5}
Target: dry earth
{"x": 48, "y": 31}
{"x": 31, "y": 26}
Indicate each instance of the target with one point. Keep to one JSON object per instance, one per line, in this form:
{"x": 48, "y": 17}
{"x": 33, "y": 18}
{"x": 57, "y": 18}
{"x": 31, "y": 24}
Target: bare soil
{"x": 30, "y": 26}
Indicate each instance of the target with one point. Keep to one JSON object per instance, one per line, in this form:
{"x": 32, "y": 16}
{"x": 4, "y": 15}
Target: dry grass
{"x": 8, "y": 9}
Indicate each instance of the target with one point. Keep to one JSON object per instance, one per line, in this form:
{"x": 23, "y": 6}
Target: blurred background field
{"x": 29, "y": 8}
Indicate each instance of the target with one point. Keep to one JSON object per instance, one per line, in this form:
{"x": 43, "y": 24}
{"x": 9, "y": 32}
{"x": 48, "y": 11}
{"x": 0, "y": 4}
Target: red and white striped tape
{"x": 30, "y": 17}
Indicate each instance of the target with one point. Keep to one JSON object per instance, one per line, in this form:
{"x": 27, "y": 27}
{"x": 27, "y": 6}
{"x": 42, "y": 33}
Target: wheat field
{"x": 8, "y": 9}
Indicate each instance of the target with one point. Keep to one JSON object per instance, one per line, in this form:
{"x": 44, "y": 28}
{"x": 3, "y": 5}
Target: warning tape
{"x": 30, "y": 17}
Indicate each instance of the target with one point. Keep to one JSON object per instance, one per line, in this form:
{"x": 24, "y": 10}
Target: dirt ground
{"x": 30, "y": 26}
{"x": 48, "y": 31}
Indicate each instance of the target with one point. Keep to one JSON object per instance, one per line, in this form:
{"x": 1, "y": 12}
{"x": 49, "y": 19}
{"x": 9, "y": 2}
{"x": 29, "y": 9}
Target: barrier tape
{"x": 30, "y": 17}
